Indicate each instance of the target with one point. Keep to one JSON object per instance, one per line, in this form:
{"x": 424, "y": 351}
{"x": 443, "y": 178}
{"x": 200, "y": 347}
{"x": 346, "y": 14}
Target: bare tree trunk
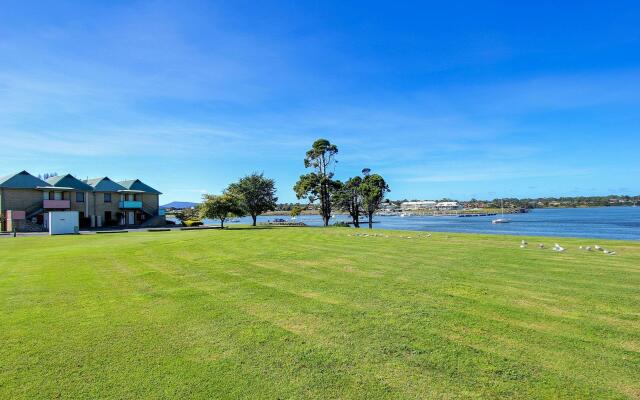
{"x": 370, "y": 220}
{"x": 355, "y": 216}
{"x": 325, "y": 205}
{"x": 326, "y": 213}
{"x": 325, "y": 219}
{"x": 255, "y": 217}
{"x": 356, "y": 220}
{"x": 222, "y": 223}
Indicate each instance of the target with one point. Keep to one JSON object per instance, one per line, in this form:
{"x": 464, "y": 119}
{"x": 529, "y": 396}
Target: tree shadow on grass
{"x": 259, "y": 227}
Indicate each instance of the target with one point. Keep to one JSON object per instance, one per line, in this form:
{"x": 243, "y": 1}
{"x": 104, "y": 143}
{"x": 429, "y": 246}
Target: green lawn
{"x": 315, "y": 313}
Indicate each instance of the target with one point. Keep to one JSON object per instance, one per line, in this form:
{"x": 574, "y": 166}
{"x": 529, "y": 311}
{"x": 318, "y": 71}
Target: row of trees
{"x": 255, "y": 194}
{"x": 252, "y": 195}
{"x": 358, "y": 195}
{"x": 47, "y": 175}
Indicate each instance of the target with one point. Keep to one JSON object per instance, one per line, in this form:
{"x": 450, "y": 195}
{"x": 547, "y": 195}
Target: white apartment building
{"x": 448, "y": 205}
{"x": 418, "y": 205}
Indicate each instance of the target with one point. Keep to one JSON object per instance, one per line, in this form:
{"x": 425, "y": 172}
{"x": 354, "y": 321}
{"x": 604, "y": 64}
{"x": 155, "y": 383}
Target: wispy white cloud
{"x": 140, "y": 82}
{"x": 494, "y": 174}
{"x": 127, "y": 140}
{"x": 535, "y": 93}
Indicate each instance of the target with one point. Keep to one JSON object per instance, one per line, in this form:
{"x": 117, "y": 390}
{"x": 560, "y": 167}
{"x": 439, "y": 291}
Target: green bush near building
{"x": 192, "y": 222}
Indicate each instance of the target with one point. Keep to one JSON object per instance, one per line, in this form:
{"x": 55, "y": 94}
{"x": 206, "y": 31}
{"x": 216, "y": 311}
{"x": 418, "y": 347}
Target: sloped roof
{"x": 69, "y": 181}
{"x": 137, "y": 184}
{"x": 21, "y": 180}
{"x": 104, "y": 184}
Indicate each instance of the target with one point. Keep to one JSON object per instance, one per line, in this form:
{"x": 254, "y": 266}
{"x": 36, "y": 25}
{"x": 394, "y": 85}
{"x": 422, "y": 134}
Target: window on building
{"x": 79, "y": 197}
{"x": 107, "y": 197}
{"x": 57, "y": 196}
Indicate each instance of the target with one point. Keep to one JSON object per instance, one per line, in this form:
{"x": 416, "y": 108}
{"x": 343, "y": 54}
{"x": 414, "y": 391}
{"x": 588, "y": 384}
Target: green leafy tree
{"x": 221, "y": 207}
{"x": 256, "y": 193}
{"x": 295, "y": 211}
{"x": 187, "y": 214}
{"x": 349, "y": 198}
{"x": 373, "y": 190}
{"x": 319, "y": 185}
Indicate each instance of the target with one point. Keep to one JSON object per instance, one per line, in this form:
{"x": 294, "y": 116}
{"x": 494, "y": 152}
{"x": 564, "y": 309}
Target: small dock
{"x": 477, "y": 215}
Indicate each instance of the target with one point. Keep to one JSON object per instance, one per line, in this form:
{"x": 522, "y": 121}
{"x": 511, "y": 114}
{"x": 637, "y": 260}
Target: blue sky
{"x": 444, "y": 99}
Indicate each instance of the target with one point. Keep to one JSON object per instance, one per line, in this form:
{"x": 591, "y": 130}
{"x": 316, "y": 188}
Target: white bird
{"x": 557, "y": 247}
{"x": 541, "y": 245}
{"x": 588, "y": 248}
{"x": 598, "y": 248}
{"x": 581, "y": 247}
{"x": 524, "y": 242}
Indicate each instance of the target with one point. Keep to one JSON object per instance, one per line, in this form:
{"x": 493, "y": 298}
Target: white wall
{"x": 63, "y": 222}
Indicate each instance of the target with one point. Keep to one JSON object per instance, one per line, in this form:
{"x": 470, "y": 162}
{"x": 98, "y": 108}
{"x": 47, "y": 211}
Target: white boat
{"x": 502, "y": 219}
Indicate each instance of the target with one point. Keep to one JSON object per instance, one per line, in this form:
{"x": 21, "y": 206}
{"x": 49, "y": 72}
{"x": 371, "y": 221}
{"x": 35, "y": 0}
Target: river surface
{"x": 600, "y": 222}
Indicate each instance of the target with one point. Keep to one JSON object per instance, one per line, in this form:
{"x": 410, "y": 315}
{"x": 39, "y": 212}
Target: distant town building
{"x": 448, "y": 205}
{"x": 389, "y": 207}
{"x": 418, "y": 205}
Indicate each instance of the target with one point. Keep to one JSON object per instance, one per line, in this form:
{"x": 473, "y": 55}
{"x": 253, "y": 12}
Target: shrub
{"x": 192, "y": 222}
{"x": 187, "y": 214}
{"x": 341, "y": 224}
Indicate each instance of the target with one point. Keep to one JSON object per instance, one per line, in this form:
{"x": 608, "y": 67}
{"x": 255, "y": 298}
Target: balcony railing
{"x": 56, "y": 204}
{"x": 130, "y": 204}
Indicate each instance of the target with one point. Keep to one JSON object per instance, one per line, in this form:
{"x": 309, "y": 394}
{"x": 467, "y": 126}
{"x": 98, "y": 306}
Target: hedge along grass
{"x": 317, "y": 313}
{"x": 193, "y": 223}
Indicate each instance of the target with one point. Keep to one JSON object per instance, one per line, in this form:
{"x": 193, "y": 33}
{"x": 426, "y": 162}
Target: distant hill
{"x": 179, "y": 205}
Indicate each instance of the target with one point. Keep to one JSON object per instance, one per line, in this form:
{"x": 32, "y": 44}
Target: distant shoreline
{"x": 485, "y": 210}
{"x": 465, "y": 211}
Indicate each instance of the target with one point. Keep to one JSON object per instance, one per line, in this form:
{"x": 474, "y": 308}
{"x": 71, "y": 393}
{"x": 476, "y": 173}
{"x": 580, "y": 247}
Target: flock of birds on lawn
{"x": 387, "y": 236}
{"x": 558, "y": 248}
{"x": 523, "y": 243}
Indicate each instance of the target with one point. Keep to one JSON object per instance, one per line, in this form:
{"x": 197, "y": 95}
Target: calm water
{"x": 604, "y": 222}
